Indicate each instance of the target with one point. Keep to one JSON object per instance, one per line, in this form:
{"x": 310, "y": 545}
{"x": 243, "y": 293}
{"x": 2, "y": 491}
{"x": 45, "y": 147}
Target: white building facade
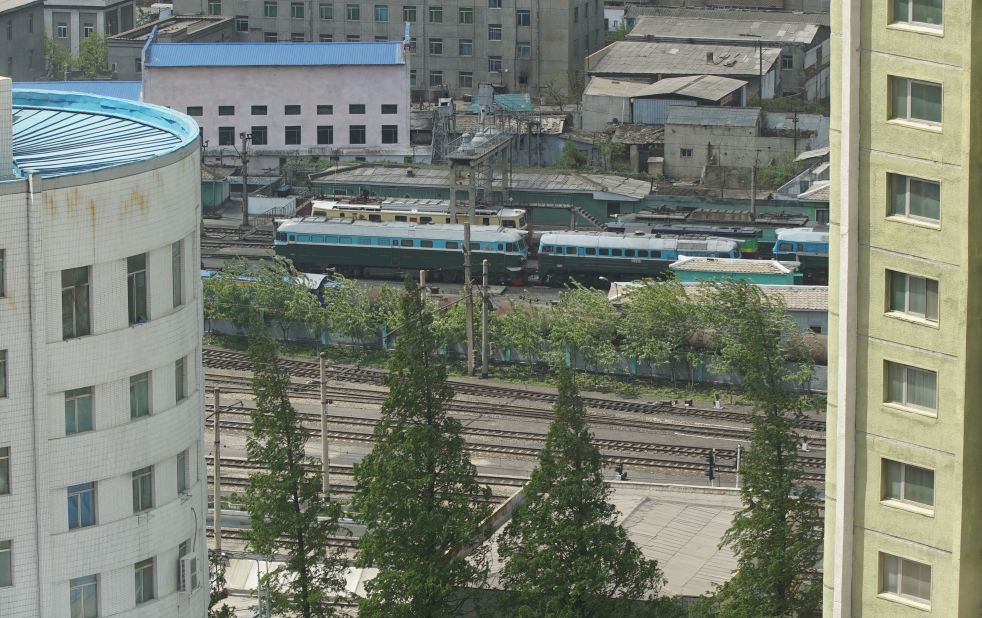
{"x": 102, "y": 478}
{"x": 295, "y": 100}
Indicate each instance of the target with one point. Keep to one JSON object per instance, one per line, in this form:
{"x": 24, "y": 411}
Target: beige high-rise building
{"x": 904, "y": 506}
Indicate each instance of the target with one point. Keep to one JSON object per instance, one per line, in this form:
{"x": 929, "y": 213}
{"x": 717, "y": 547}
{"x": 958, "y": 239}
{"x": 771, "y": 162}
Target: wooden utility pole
{"x": 753, "y": 189}
{"x": 485, "y": 341}
{"x": 468, "y": 283}
{"x": 325, "y": 456}
{"x": 217, "y": 458}
{"x": 244, "y": 155}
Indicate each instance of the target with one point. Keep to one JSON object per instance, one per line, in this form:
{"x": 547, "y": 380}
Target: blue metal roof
{"x": 273, "y": 54}
{"x": 105, "y": 88}
{"x": 509, "y": 102}
{"x": 59, "y": 133}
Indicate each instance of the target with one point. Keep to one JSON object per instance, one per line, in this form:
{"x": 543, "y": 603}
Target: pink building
{"x": 342, "y": 100}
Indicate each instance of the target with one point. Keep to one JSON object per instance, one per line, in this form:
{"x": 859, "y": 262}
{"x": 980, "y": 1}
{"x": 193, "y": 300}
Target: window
{"x": 195, "y": 110}
{"x": 905, "y": 578}
{"x": 269, "y": 9}
{"x": 62, "y": 31}
{"x": 242, "y": 24}
{"x": 75, "y": 302}
{"x": 524, "y": 51}
{"x": 685, "y": 153}
{"x": 291, "y": 110}
{"x": 494, "y": 4}
{"x": 183, "y": 550}
{"x": 4, "y": 470}
{"x": 326, "y": 38}
{"x": 436, "y": 78}
{"x": 412, "y": 44}
{"x": 269, "y": 37}
{"x": 576, "y": 15}
{"x": 180, "y": 379}
{"x": 913, "y": 197}
{"x": 436, "y": 14}
{"x": 30, "y": 23}
{"x": 214, "y": 7}
{"x": 143, "y": 572}
{"x": 356, "y": 134}
{"x": 226, "y": 137}
{"x": 81, "y": 506}
{"x": 260, "y": 137}
{"x": 140, "y": 395}
{"x": 353, "y": 12}
{"x": 523, "y": 17}
{"x": 325, "y": 110}
{"x": 916, "y": 296}
{"x": 3, "y": 274}
{"x": 494, "y": 64}
{"x": 911, "y": 99}
{"x": 436, "y": 46}
{"x": 381, "y": 12}
{"x": 6, "y": 564}
{"x": 465, "y": 15}
{"x": 465, "y": 47}
{"x": 137, "y": 63}
{"x": 296, "y": 10}
{"x": 910, "y": 386}
{"x": 356, "y": 108}
{"x": 352, "y": 38}
{"x": 325, "y": 134}
{"x": 3, "y": 373}
{"x": 78, "y": 411}
{"x": 143, "y": 489}
{"x": 326, "y": 11}
{"x": 83, "y": 595}
{"x": 291, "y": 135}
{"x": 87, "y": 27}
{"x": 136, "y": 287}
{"x": 183, "y": 478}
{"x": 297, "y": 37}
{"x": 920, "y": 12}
{"x": 390, "y": 134}
{"x": 907, "y": 483}
{"x": 787, "y": 62}
{"x": 412, "y": 77}
{"x": 465, "y": 79}
{"x": 494, "y": 32}
{"x": 409, "y": 13}
{"x": 390, "y": 108}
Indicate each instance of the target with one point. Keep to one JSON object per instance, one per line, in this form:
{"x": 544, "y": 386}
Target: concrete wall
{"x": 276, "y": 87}
{"x": 106, "y": 17}
{"x": 598, "y": 111}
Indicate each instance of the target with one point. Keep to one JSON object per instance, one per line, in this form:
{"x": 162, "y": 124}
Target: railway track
{"x": 215, "y": 358}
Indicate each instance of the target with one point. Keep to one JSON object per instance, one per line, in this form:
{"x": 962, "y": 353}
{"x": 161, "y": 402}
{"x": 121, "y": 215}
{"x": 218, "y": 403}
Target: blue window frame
{"x": 81, "y": 506}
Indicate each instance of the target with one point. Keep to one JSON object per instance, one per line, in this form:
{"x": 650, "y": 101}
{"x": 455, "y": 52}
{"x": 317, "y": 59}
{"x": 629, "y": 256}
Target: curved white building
{"x": 102, "y": 479}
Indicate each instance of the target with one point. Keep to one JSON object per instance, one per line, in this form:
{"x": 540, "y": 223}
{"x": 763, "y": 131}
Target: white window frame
{"x": 134, "y": 276}
{"x": 72, "y": 398}
{"x": 495, "y": 32}
{"x": 72, "y": 491}
{"x": 78, "y": 300}
{"x": 7, "y": 553}
{"x": 5, "y": 471}
{"x": 134, "y": 380}
{"x": 903, "y": 484}
{"x": 180, "y": 379}
{"x": 140, "y": 578}
{"x": 899, "y": 593}
{"x": 78, "y": 586}
{"x": 177, "y": 272}
{"x": 3, "y": 374}
{"x": 183, "y": 476}
{"x": 905, "y": 401}
{"x": 142, "y": 502}
{"x": 906, "y": 310}
{"x": 908, "y": 81}
{"x": 894, "y": 179}
{"x": 910, "y": 16}
{"x": 3, "y": 273}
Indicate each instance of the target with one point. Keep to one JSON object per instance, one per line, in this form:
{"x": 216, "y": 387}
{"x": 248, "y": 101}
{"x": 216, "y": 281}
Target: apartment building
{"x": 904, "y": 506}
{"x": 22, "y": 39}
{"x": 517, "y": 45}
{"x": 68, "y": 22}
{"x": 102, "y": 478}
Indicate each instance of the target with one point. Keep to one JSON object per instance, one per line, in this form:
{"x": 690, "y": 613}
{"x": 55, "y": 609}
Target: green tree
{"x": 93, "y": 55}
{"x": 217, "y": 565}
{"x": 525, "y": 328}
{"x": 777, "y": 536}
{"x": 282, "y": 292}
{"x": 226, "y": 297}
{"x": 417, "y": 491}
{"x": 658, "y": 322}
{"x": 584, "y": 324}
{"x": 349, "y": 311}
{"x": 287, "y": 511}
{"x": 565, "y": 554}
{"x": 57, "y": 58}
{"x": 571, "y": 156}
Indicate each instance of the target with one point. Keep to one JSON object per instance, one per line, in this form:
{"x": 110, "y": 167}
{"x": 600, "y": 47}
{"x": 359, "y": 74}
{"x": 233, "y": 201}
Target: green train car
{"x": 358, "y": 248}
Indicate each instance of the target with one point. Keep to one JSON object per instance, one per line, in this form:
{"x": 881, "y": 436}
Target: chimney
{"x": 6, "y": 129}
{"x": 709, "y": 57}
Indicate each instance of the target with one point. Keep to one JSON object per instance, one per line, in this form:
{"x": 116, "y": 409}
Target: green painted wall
{"x": 688, "y": 276}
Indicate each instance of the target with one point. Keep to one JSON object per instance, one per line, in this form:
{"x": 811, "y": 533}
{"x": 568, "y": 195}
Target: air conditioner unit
{"x": 189, "y": 574}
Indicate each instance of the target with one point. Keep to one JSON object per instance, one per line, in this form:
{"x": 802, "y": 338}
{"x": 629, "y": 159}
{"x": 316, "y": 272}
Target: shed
{"x": 774, "y": 272}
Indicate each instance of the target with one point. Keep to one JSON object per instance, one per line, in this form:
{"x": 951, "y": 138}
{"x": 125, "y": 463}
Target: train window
{"x": 293, "y": 238}
{"x": 364, "y": 241}
{"x": 604, "y": 251}
{"x": 785, "y": 246}
{"x": 521, "y": 222}
{"x": 303, "y": 237}
{"x": 629, "y": 252}
{"x": 412, "y": 220}
{"x": 475, "y": 246}
{"x": 507, "y": 223}
{"x": 452, "y": 244}
{"x": 280, "y": 236}
{"x": 570, "y": 250}
{"x": 426, "y": 243}
{"x": 501, "y": 247}
{"x": 405, "y": 242}
{"x": 616, "y": 252}
{"x": 401, "y": 218}
{"x": 591, "y": 251}
{"x": 546, "y": 248}
{"x": 330, "y": 239}
{"x": 656, "y": 254}
{"x": 376, "y": 218}
{"x": 383, "y": 242}
{"x": 642, "y": 253}
{"x": 426, "y": 219}
{"x": 347, "y": 240}
{"x": 510, "y": 247}
{"x": 486, "y": 221}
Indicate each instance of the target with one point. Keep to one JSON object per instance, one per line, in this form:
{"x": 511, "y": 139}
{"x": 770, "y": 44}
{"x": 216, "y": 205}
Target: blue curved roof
{"x": 273, "y": 54}
{"x": 60, "y": 133}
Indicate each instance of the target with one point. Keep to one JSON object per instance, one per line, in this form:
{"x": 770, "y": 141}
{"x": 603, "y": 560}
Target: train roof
{"x": 409, "y": 204}
{"x": 616, "y": 240}
{"x": 398, "y": 229}
{"x": 803, "y": 234}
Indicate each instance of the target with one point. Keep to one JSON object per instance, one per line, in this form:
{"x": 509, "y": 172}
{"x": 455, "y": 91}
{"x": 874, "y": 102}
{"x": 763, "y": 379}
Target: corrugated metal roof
{"x": 605, "y": 86}
{"x": 58, "y": 133}
{"x": 510, "y": 102}
{"x": 543, "y": 124}
{"x": 734, "y": 265}
{"x": 706, "y": 87}
{"x": 714, "y": 116}
{"x": 638, "y": 58}
{"x": 13, "y": 5}
{"x": 732, "y": 15}
{"x": 274, "y": 54}
{"x": 700, "y": 29}
{"x": 104, "y": 88}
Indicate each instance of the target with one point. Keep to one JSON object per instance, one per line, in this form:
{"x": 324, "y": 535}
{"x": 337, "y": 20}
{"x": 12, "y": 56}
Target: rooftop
{"x": 794, "y": 297}
{"x": 733, "y": 265}
{"x": 554, "y": 182}
{"x": 713, "y": 116}
{"x": 818, "y": 192}
{"x": 547, "y": 124}
{"x": 57, "y": 133}
{"x": 171, "y": 26}
{"x": 13, "y": 5}
{"x": 639, "y": 134}
{"x": 718, "y": 30}
{"x": 641, "y": 58}
{"x": 705, "y": 87}
{"x": 105, "y": 88}
{"x": 733, "y": 15}
{"x": 274, "y": 54}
